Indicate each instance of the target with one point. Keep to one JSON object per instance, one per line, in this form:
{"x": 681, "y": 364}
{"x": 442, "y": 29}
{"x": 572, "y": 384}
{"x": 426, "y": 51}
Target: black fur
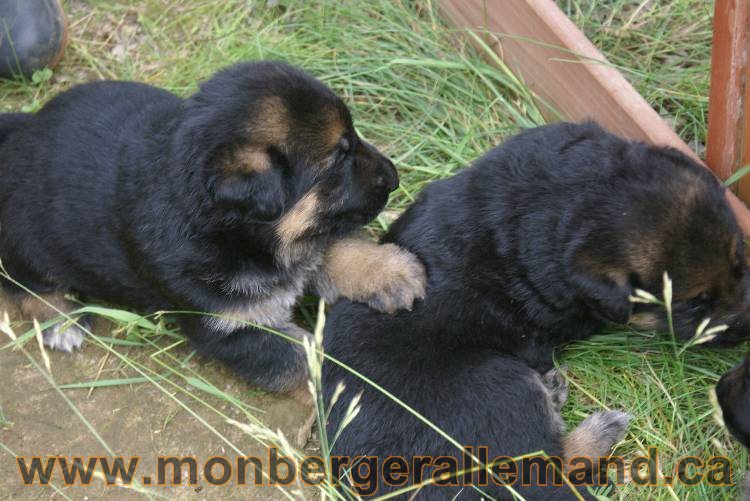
{"x": 733, "y": 392}
{"x": 11, "y": 122}
{"x": 118, "y": 191}
{"x": 540, "y": 243}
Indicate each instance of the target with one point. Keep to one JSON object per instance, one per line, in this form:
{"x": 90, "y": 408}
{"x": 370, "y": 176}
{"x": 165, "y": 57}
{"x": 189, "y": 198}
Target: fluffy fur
{"x": 224, "y": 202}
{"x": 733, "y": 394}
{"x": 541, "y": 242}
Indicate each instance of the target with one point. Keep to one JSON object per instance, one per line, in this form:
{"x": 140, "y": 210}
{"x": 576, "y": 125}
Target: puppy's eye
{"x": 344, "y": 144}
{"x": 704, "y": 297}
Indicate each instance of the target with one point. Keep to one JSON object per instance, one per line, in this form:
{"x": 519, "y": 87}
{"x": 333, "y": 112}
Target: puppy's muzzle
{"x": 388, "y": 177}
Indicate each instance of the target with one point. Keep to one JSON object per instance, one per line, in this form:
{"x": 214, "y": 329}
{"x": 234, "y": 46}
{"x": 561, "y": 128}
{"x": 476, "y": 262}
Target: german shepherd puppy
{"x": 541, "y": 242}
{"x": 230, "y": 202}
{"x": 733, "y": 394}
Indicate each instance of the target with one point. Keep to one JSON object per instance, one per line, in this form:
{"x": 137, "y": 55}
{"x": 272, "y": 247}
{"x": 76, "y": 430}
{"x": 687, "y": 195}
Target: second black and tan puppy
{"x": 542, "y": 241}
{"x": 230, "y": 202}
{"x": 733, "y": 394}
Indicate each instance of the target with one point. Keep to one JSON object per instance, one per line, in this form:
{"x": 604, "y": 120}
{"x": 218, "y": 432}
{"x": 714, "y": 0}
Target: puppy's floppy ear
{"x": 602, "y": 283}
{"x": 260, "y": 196}
{"x": 249, "y": 182}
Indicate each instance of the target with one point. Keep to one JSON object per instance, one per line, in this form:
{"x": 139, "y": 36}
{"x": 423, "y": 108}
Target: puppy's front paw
{"x": 385, "y": 277}
{"x": 398, "y": 282}
{"x": 63, "y": 337}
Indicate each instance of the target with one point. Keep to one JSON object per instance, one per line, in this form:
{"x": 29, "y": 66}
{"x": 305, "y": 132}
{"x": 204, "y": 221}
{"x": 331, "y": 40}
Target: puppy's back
{"x": 60, "y": 174}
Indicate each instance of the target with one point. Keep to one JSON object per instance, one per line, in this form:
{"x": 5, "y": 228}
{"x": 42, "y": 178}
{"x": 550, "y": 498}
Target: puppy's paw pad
{"x": 608, "y": 426}
{"x": 401, "y": 281}
{"x": 64, "y": 337}
{"x": 557, "y": 386}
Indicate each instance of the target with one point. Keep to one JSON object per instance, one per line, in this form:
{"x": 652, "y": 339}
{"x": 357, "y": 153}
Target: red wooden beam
{"x": 562, "y": 67}
{"x": 728, "y": 145}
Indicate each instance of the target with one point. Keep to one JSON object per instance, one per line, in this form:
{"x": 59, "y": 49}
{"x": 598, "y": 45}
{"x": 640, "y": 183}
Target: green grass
{"x": 662, "y": 47}
{"x": 432, "y": 104}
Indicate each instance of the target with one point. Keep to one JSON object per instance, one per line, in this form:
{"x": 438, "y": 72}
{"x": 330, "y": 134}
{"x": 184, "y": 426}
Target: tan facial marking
{"x": 247, "y": 160}
{"x": 335, "y": 131}
{"x": 270, "y": 123}
{"x": 299, "y": 219}
{"x": 643, "y": 253}
{"x": 269, "y": 126}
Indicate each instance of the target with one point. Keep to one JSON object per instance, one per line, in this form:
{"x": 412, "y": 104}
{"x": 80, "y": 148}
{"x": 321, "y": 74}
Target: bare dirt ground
{"x": 134, "y": 420}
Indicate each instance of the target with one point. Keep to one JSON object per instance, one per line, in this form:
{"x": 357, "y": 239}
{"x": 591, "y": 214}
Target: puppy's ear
{"x": 259, "y": 196}
{"x": 603, "y": 285}
{"x": 250, "y": 180}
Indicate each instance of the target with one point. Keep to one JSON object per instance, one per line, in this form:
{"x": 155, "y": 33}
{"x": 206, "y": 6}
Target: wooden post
{"x": 728, "y": 145}
{"x": 564, "y": 69}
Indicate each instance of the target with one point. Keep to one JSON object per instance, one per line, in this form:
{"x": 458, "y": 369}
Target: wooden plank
{"x": 728, "y": 145}
{"x": 562, "y": 67}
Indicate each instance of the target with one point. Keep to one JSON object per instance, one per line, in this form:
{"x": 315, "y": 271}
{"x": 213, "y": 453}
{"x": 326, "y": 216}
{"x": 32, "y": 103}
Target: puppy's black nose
{"x": 388, "y": 176}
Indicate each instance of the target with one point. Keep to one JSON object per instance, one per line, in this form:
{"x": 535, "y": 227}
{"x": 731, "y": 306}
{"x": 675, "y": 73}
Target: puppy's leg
{"x": 595, "y": 437}
{"x": 556, "y": 386}
{"x": 263, "y": 358}
{"x": 63, "y": 336}
{"x": 384, "y": 276}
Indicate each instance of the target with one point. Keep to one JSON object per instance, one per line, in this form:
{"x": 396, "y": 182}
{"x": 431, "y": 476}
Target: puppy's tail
{"x": 11, "y": 122}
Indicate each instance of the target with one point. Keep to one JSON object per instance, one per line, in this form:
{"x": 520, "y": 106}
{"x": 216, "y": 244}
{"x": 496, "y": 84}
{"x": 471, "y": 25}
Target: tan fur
{"x": 385, "y": 276}
{"x": 9, "y": 304}
{"x": 271, "y": 311}
{"x": 581, "y": 443}
{"x": 32, "y": 308}
{"x": 270, "y": 125}
{"x": 595, "y": 436}
{"x": 645, "y": 321}
{"x": 247, "y": 160}
{"x": 620, "y": 277}
{"x": 335, "y": 131}
{"x": 299, "y": 219}
{"x": 322, "y": 146}
{"x": 643, "y": 253}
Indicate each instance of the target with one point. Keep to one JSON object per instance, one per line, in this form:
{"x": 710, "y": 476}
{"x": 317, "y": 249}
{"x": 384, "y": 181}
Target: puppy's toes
{"x": 401, "y": 281}
{"x": 557, "y": 386}
{"x": 64, "y": 337}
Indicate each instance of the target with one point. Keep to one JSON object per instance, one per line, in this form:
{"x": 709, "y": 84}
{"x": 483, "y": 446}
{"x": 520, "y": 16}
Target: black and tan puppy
{"x": 733, "y": 394}
{"x": 227, "y": 202}
{"x": 541, "y": 242}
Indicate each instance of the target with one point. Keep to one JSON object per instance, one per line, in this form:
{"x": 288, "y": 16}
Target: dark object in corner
{"x": 33, "y": 34}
